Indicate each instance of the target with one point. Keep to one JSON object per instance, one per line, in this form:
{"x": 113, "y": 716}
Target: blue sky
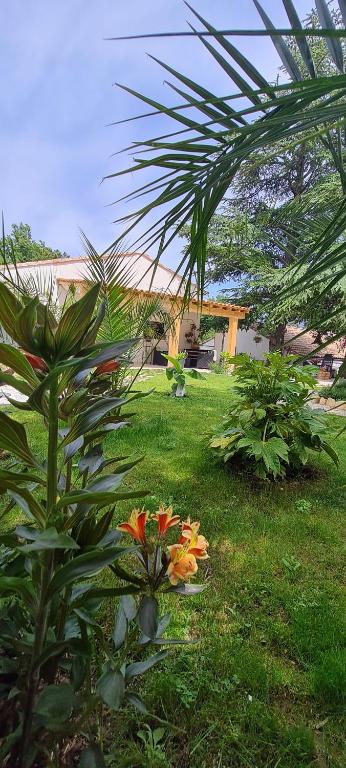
{"x": 57, "y": 99}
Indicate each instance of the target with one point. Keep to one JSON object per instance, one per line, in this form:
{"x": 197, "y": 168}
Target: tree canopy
{"x": 20, "y": 246}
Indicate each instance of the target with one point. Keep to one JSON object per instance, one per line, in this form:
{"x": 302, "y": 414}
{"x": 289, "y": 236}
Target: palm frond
{"x": 201, "y": 155}
{"x": 127, "y": 311}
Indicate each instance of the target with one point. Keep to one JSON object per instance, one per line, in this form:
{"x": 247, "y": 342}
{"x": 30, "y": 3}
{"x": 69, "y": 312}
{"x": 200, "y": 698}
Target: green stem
{"x": 46, "y": 572}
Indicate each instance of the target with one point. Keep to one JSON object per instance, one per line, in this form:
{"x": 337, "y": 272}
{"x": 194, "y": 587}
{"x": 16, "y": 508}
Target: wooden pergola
{"x": 178, "y": 307}
{"x": 230, "y": 311}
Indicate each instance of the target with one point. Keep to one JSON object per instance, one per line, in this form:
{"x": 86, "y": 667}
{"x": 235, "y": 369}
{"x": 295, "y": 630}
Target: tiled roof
{"x": 306, "y": 345}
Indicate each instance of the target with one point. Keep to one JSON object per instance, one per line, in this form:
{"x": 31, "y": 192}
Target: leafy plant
{"x": 223, "y": 365}
{"x": 127, "y": 313}
{"x": 270, "y": 427}
{"x": 193, "y": 335}
{"x": 57, "y": 668}
{"x": 177, "y": 374}
{"x": 337, "y": 390}
{"x": 303, "y": 505}
{"x": 291, "y": 565}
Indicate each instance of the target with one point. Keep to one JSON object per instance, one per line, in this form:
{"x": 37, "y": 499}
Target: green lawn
{"x": 265, "y": 686}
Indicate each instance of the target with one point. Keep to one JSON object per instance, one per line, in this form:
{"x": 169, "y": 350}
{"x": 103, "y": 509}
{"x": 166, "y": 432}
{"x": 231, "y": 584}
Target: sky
{"x": 58, "y": 100}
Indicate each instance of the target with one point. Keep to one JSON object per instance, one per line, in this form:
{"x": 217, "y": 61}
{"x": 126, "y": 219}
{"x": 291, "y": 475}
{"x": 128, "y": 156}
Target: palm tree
{"x": 195, "y": 163}
{"x": 127, "y": 313}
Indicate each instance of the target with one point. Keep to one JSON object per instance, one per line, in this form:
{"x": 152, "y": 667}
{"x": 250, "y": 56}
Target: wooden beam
{"x": 231, "y": 338}
{"x": 173, "y": 338}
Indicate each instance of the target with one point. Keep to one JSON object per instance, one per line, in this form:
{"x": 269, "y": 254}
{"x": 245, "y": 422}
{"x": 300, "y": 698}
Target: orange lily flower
{"x": 188, "y": 529}
{"x": 135, "y": 525}
{"x": 198, "y": 546}
{"x": 194, "y": 543}
{"x": 165, "y": 519}
{"x": 182, "y": 564}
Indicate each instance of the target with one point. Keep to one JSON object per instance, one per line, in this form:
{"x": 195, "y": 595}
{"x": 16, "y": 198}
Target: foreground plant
{"x": 270, "y": 427}
{"x": 60, "y": 534}
{"x": 177, "y": 374}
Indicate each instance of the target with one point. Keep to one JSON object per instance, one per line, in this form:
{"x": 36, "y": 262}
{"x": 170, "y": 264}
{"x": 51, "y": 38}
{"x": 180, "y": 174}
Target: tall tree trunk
{"x": 277, "y": 338}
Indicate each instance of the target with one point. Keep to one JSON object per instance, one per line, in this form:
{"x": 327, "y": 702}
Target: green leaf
{"x": 92, "y": 416}
{"x": 334, "y": 45}
{"x": 186, "y": 589}
{"x": 27, "y": 502}
{"x": 94, "y": 593}
{"x": 19, "y": 478}
{"x": 25, "y": 325}
{"x": 10, "y": 308}
{"x": 102, "y": 353}
{"x": 281, "y": 47}
{"x": 75, "y": 322}
{"x": 129, "y": 606}
{"x": 92, "y": 459}
{"x": 50, "y": 539}
{"x": 137, "y": 703}
{"x": 331, "y": 452}
{"x": 85, "y": 565}
{"x": 301, "y": 41}
{"x": 173, "y": 362}
{"x": 13, "y": 439}
{"x": 14, "y": 359}
{"x": 148, "y": 616}
{"x": 14, "y": 584}
{"x": 139, "y": 667}
{"x": 92, "y": 757}
{"x": 111, "y": 688}
{"x": 72, "y": 644}
{"x": 54, "y": 705}
{"x": 195, "y": 374}
{"x": 18, "y": 384}
{"x": 101, "y": 498}
{"x": 120, "y": 628}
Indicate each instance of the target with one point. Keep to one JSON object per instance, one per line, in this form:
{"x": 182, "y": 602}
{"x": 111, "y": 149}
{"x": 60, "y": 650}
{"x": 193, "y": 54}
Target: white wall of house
{"x": 245, "y": 343}
{"x": 138, "y": 268}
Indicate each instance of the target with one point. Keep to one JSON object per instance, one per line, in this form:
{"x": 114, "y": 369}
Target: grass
{"x": 265, "y": 686}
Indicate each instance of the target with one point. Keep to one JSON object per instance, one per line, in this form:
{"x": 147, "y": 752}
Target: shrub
{"x": 337, "y": 390}
{"x": 223, "y": 365}
{"x": 177, "y": 374}
{"x": 270, "y": 427}
{"x": 58, "y": 668}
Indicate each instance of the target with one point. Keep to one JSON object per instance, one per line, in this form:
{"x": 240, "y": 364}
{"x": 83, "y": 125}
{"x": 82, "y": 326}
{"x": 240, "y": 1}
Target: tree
{"x": 249, "y": 239}
{"x": 196, "y": 162}
{"x": 20, "y": 246}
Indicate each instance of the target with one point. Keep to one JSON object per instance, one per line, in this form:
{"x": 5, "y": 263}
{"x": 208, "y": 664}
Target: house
{"x": 61, "y": 274}
{"x": 248, "y": 340}
{"x": 305, "y": 346}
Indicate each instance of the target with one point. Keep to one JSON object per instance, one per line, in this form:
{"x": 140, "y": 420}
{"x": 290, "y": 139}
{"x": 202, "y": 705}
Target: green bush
{"x": 270, "y": 427}
{"x": 337, "y": 391}
{"x": 223, "y": 365}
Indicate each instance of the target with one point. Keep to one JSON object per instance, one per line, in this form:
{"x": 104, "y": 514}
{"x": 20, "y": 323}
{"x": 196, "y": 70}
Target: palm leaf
{"x": 301, "y": 41}
{"x": 284, "y": 52}
{"x": 334, "y": 45}
{"x": 195, "y": 162}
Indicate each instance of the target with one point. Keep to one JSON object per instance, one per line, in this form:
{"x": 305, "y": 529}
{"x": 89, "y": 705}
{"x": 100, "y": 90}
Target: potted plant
{"x": 193, "y": 337}
{"x": 177, "y": 375}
